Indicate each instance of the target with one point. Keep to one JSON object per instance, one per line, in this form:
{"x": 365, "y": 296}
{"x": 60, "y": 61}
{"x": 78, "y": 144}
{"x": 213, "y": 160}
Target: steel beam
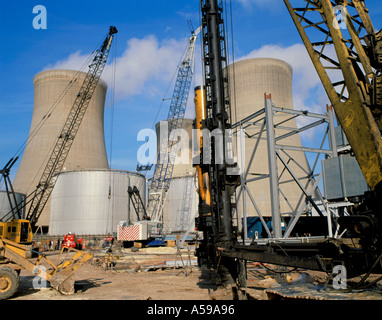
{"x": 273, "y": 173}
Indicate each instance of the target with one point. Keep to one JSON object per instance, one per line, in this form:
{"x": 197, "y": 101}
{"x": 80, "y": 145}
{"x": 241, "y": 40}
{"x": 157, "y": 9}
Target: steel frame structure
{"x": 261, "y": 124}
{"x": 321, "y": 253}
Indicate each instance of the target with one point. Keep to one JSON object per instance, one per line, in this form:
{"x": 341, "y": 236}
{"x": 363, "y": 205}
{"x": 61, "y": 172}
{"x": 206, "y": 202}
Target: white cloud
{"x": 145, "y": 60}
{"x": 144, "y": 65}
{"x": 75, "y": 61}
{"x": 148, "y": 65}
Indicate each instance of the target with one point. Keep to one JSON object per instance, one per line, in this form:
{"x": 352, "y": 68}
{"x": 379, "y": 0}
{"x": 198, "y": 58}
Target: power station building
{"x": 7, "y": 202}
{"x": 88, "y": 198}
{"x": 249, "y": 80}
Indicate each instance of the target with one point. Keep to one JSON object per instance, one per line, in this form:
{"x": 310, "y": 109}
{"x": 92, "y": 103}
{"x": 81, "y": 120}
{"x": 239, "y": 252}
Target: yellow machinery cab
{"x": 17, "y": 230}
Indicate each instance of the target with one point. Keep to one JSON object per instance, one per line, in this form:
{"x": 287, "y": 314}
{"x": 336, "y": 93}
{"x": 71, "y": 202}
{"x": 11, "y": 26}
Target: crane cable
{"x": 112, "y": 98}
{"x": 112, "y": 105}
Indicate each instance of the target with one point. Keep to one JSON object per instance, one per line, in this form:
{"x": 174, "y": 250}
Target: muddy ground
{"x": 169, "y": 274}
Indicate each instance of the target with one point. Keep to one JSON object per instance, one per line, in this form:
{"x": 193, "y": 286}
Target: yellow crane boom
{"x": 347, "y": 57}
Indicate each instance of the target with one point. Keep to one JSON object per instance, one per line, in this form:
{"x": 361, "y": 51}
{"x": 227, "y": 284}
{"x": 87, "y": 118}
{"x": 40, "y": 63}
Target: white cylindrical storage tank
{"x": 181, "y": 205}
{"x": 250, "y": 79}
{"x": 54, "y": 94}
{"x": 93, "y": 202}
{"x": 5, "y": 207}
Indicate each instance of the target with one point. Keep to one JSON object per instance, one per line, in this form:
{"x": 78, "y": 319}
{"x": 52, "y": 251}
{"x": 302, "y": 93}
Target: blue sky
{"x": 151, "y": 39}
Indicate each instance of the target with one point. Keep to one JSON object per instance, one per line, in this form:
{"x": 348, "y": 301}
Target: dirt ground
{"x": 141, "y": 275}
{"x": 167, "y": 274}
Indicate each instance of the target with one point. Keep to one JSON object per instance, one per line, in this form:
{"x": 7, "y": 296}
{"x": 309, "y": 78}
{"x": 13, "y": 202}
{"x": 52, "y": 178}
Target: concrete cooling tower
{"x": 249, "y": 80}
{"x": 5, "y": 205}
{"x": 53, "y": 99}
{"x": 183, "y": 162}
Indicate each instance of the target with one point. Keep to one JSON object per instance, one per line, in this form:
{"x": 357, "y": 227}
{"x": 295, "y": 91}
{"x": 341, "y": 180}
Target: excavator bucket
{"x": 63, "y": 278}
{"x": 63, "y": 282}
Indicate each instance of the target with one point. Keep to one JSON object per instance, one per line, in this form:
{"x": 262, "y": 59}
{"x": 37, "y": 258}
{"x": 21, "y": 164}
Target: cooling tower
{"x": 54, "y": 94}
{"x": 5, "y": 206}
{"x": 93, "y": 201}
{"x": 183, "y": 162}
{"x": 249, "y": 81}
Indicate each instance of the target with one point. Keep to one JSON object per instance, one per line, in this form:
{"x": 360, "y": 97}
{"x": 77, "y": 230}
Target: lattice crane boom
{"x": 347, "y": 53}
{"x": 168, "y": 148}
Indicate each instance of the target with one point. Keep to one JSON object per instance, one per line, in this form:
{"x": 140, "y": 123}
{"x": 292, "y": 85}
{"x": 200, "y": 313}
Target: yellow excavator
{"x": 17, "y": 252}
{"x": 17, "y": 249}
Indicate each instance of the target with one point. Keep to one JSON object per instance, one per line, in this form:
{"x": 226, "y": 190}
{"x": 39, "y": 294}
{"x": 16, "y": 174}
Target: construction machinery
{"x": 136, "y": 200}
{"x": 143, "y": 228}
{"x": 69, "y": 240}
{"x": 346, "y": 53}
{"x": 168, "y": 147}
{"x": 69, "y": 130}
{"x": 151, "y": 224}
{"x": 16, "y": 233}
{"x": 216, "y": 185}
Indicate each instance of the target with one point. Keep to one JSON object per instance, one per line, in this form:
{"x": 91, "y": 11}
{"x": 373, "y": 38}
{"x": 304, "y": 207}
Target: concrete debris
{"x": 305, "y": 289}
{"x": 268, "y": 282}
{"x": 303, "y": 278}
{"x": 146, "y": 259}
{"x": 172, "y": 264}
